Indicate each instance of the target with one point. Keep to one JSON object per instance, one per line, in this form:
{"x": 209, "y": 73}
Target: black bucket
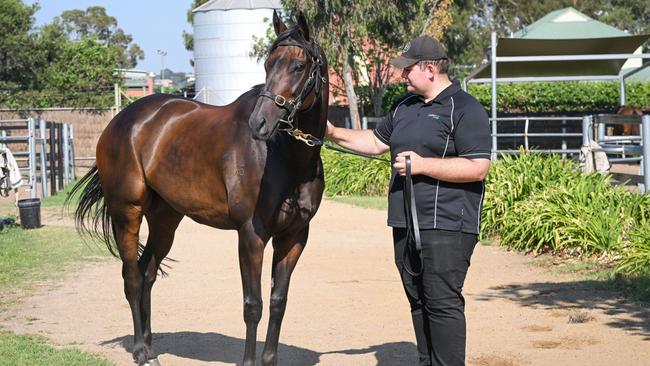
{"x": 30, "y": 213}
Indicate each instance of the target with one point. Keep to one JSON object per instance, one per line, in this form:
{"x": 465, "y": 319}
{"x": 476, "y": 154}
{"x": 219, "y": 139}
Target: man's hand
{"x": 416, "y": 163}
{"x": 329, "y": 130}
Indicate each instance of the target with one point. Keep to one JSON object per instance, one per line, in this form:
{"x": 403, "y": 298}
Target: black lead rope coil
{"x": 412, "y": 226}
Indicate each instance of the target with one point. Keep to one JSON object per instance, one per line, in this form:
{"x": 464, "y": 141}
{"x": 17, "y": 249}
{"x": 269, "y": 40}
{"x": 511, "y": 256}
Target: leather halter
{"x": 314, "y": 82}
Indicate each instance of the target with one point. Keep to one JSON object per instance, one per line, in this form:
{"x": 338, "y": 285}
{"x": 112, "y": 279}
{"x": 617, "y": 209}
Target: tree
{"x": 188, "y": 38}
{"x": 44, "y": 68}
{"x": 468, "y": 36}
{"x": 82, "y": 74}
{"x": 17, "y": 60}
{"x": 95, "y": 23}
{"x": 357, "y": 33}
{"x": 438, "y": 19}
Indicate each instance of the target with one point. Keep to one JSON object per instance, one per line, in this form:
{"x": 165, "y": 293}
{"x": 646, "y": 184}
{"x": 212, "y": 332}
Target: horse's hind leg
{"x": 286, "y": 252}
{"x": 162, "y": 221}
{"x": 126, "y": 218}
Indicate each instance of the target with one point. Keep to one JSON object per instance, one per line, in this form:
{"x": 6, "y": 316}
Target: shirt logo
{"x": 434, "y": 116}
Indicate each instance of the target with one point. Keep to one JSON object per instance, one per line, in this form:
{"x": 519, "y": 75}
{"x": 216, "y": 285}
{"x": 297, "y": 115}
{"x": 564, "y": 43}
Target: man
{"x": 446, "y": 134}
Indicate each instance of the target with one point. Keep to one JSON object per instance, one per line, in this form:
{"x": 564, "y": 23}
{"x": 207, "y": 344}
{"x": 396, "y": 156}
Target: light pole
{"x": 162, "y": 69}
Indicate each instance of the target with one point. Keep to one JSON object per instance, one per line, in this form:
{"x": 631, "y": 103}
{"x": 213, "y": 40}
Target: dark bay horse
{"x": 248, "y": 166}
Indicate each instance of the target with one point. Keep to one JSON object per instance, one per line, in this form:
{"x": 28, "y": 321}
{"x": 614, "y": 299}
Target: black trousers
{"x": 437, "y": 303}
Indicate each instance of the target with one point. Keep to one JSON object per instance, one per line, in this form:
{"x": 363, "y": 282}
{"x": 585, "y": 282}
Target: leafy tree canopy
{"x": 57, "y": 64}
{"x": 95, "y": 23}
{"x": 188, "y": 38}
{"x": 16, "y": 43}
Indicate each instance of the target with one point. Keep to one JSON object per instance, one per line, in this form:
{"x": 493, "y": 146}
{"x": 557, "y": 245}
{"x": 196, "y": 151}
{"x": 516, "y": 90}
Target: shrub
{"x": 353, "y": 175}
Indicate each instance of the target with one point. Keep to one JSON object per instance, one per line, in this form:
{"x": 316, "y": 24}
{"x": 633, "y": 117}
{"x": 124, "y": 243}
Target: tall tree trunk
{"x": 377, "y": 89}
{"x": 348, "y": 81}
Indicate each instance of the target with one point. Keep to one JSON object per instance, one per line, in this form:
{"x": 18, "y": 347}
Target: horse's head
{"x": 295, "y": 76}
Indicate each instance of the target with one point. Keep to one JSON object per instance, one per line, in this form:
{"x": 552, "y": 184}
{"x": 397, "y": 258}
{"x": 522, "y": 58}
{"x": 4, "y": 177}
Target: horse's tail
{"x": 91, "y": 214}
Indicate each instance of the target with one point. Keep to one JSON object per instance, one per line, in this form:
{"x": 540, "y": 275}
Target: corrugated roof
{"x": 568, "y": 23}
{"x": 239, "y": 4}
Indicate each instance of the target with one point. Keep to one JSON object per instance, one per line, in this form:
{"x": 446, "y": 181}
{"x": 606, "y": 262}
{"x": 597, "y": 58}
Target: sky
{"x": 154, "y": 24}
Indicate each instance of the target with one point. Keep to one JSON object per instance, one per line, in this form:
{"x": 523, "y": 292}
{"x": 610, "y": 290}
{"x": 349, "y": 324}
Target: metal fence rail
{"x": 31, "y": 151}
{"x": 530, "y": 124}
{"x": 586, "y": 128}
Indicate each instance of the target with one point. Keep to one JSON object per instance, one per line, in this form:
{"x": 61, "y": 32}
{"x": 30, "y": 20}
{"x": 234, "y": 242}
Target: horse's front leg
{"x": 251, "y": 255}
{"x": 286, "y": 251}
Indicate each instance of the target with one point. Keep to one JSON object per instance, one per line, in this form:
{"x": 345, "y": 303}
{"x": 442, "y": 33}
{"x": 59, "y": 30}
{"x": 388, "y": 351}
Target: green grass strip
{"x": 376, "y": 202}
{"x": 27, "y": 256}
{"x": 27, "y": 350}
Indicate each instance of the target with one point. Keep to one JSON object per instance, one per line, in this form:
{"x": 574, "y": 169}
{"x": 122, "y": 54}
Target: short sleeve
{"x": 385, "y": 128}
{"x": 472, "y": 133}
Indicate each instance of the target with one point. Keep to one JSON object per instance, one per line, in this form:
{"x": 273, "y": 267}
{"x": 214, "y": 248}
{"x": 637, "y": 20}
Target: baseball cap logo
{"x": 406, "y": 48}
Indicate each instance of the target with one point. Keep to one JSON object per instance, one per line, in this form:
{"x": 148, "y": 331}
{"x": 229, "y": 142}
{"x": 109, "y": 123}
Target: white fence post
{"x": 32, "y": 156}
{"x": 645, "y": 132}
{"x": 66, "y": 155}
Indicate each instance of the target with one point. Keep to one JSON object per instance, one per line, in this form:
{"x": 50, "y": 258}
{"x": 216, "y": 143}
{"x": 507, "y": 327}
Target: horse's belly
{"x": 216, "y": 221}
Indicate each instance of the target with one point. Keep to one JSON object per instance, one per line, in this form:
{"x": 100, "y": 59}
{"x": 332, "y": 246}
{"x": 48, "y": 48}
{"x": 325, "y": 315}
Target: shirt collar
{"x": 450, "y": 90}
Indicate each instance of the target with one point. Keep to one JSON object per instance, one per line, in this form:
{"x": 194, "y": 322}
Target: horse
{"x": 629, "y": 129}
{"x": 251, "y": 166}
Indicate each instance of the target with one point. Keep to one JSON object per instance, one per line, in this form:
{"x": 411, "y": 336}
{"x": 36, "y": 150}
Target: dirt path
{"x": 346, "y": 306}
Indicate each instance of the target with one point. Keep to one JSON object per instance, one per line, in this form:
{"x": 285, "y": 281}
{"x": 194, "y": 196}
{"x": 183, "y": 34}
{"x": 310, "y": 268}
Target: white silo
{"x": 223, "y": 39}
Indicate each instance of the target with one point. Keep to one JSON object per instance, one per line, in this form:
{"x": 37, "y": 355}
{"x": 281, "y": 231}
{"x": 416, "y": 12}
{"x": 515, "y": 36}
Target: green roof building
{"x": 569, "y": 23}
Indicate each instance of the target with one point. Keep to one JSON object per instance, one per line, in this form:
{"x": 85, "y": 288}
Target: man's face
{"x": 418, "y": 79}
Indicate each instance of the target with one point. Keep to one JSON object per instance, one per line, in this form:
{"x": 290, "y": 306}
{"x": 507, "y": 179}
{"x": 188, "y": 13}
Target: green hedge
{"x": 558, "y": 97}
{"x": 561, "y": 96}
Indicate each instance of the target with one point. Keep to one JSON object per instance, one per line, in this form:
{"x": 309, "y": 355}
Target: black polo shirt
{"x": 454, "y": 124}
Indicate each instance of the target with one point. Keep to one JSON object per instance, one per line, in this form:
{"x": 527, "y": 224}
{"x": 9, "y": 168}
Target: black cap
{"x": 421, "y": 48}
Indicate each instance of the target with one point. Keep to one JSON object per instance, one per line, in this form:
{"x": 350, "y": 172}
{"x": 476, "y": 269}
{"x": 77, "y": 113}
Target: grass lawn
{"x": 27, "y": 350}
{"x": 29, "y": 257}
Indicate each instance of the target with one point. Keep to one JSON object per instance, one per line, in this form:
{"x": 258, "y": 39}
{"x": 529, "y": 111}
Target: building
{"x": 137, "y": 83}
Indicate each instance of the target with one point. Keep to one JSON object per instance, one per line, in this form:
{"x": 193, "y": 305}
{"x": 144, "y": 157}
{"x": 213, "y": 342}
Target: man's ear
{"x": 432, "y": 70}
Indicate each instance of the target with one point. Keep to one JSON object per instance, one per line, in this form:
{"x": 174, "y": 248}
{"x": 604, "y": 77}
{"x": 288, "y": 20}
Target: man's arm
{"x": 363, "y": 141}
{"x": 455, "y": 170}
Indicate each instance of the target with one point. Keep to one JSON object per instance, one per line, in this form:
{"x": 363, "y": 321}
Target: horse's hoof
{"x": 152, "y": 362}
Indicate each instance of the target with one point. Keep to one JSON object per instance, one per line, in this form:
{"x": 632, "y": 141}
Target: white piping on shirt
{"x": 395, "y": 112}
{"x": 402, "y": 102}
{"x": 435, "y": 206}
{"x": 480, "y": 206}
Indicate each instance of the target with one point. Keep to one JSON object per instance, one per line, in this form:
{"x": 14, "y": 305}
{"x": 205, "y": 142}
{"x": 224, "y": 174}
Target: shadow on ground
{"x": 578, "y": 297}
{"x": 214, "y": 347}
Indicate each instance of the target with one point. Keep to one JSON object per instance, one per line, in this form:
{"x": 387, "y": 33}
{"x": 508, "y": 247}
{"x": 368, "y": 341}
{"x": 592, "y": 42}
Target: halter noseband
{"x": 314, "y": 82}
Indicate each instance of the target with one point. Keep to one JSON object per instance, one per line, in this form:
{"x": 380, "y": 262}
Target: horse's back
{"x": 185, "y": 151}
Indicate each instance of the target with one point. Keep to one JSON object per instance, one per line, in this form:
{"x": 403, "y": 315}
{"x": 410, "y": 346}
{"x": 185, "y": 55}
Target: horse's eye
{"x": 298, "y": 67}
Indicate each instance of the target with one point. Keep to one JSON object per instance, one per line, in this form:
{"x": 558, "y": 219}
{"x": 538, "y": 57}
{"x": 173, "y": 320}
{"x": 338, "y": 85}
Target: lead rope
{"x": 412, "y": 226}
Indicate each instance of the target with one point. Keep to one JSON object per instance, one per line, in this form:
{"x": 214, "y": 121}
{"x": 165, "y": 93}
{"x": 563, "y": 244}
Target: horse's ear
{"x": 302, "y": 25}
{"x": 278, "y": 24}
